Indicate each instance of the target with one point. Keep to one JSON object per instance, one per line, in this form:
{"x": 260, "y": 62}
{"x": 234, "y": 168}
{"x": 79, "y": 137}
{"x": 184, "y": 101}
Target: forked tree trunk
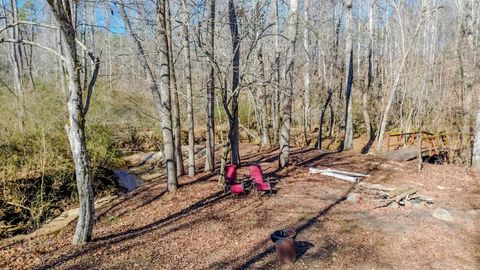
{"x": 188, "y": 77}
{"x": 348, "y": 140}
{"x": 287, "y": 103}
{"x": 177, "y": 128}
{"x": 76, "y": 127}
{"x": 210, "y": 143}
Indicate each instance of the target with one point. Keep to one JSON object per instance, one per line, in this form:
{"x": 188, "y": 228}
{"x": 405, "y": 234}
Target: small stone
{"x": 353, "y": 197}
{"x": 393, "y": 205}
{"x": 442, "y": 214}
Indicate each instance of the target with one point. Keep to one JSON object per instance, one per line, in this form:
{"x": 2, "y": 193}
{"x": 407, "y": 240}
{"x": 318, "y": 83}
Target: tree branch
{"x": 35, "y": 44}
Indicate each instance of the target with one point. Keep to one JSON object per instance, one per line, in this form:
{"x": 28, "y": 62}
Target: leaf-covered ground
{"x": 200, "y": 227}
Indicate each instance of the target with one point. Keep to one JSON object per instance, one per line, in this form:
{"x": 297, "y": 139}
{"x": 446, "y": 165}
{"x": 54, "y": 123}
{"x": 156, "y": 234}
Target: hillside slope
{"x": 200, "y": 227}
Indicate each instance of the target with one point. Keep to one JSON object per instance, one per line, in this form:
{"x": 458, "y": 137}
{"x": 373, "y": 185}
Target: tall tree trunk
{"x": 262, "y": 93}
{"x": 467, "y": 66}
{"x": 276, "y": 90}
{"x": 233, "y": 118}
{"x": 161, "y": 97}
{"x": 368, "y": 123}
{"x": 348, "y": 140}
{"x": 76, "y": 127}
{"x": 287, "y": 103}
{"x": 165, "y": 97}
{"x": 210, "y": 147}
{"x": 188, "y": 86}
{"x": 306, "y": 78}
{"x": 177, "y": 128}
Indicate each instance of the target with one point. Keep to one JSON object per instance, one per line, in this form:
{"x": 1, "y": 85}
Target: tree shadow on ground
{"x": 257, "y": 254}
{"x": 133, "y": 233}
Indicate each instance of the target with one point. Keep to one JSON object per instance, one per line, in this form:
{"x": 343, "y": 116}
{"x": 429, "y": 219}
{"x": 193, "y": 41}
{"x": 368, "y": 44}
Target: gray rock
{"x": 442, "y": 214}
{"x": 393, "y": 205}
{"x": 353, "y": 197}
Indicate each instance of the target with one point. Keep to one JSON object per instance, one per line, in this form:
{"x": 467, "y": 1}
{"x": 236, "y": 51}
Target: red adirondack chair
{"x": 231, "y": 178}
{"x": 257, "y": 175}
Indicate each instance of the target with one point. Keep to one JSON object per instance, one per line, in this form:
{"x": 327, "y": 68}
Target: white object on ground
{"x": 343, "y": 175}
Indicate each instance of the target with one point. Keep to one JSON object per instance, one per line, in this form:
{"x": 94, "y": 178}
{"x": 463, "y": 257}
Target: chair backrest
{"x": 231, "y": 174}
{"x": 256, "y": 173}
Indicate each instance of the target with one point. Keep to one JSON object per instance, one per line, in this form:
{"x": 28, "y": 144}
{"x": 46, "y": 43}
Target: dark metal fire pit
{"x": 285, "y": 246}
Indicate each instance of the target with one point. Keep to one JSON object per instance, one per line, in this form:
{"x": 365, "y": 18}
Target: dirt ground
{"x": 200, "y": 227}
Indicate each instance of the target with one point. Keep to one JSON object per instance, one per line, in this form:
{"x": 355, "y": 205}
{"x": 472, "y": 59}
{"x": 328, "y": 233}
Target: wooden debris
{"x": 342, "y": 175}
{"x": 405, "y": 197}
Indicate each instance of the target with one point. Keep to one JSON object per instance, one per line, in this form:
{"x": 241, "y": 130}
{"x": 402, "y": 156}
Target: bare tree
{"x": 15, "y": 57}
{"x": 287, "y": 103}
{"x": 233, "y": 112}
{"x": 405, "y": 53}
{"x": 161, "y": 90}
{"x": 366, "y": 116}
{"x": 306, "y": 78}
{"x": 188, "y": 86}
{"x": 210, "y": 138}
{"x": 276, "y": 91}
{"x": 177, "y": 129}
{"x": 348, "y": 140}
{"x": 76, "y": 127}
{"x": 262, "y": 94}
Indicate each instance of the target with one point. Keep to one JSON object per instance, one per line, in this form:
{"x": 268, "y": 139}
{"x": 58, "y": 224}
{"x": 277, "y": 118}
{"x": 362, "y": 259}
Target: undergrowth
{"x": 37, "y": 180}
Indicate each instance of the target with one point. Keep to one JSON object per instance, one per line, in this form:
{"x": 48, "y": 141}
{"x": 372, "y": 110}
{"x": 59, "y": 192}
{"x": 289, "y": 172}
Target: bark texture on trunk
{"x": 276, "y": 90}
{"x": 348, "y": 140}
{"x": 188, "y": 85}
{"x": 263, "y": 98}
{"x": 233, "y": 116}
{"x": 76, "y": 127}
{"x": 161, "y": 97}
{"x": 306, "y": 78}
{"x": 177, "y": 128}
{"x": 165, "y": 97}
{"x": 287, "y": 103}
{"x": 369, "y": 87}
{"x": 210, "y": 143}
